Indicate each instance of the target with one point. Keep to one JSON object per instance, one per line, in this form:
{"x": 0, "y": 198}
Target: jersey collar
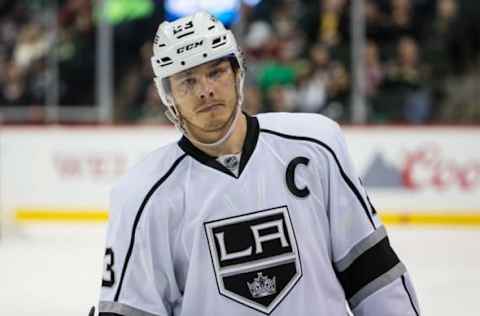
{"x": 247, "y": 149}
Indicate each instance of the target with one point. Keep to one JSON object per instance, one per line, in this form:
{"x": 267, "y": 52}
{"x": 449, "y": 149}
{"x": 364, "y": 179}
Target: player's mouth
{"x": 209, "y": 107}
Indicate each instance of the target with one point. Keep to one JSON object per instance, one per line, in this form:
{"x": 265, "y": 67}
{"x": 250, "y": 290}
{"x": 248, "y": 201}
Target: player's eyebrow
{"x": 183, "y": 74}
{"x": 189, "y": 72}
{"x": 217, "y": 62}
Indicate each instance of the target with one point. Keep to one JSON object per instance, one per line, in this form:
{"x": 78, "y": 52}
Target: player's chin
{"x": 215, "y": 126}
{"x": 216, "y": 123}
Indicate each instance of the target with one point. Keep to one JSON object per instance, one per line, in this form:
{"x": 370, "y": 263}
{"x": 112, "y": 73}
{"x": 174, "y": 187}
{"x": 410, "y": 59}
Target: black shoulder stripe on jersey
{"x": 137, "y": 219}
{"x": 342, "y": 172}
{"x": 110, "y": 314}
{"x": 409, "y": 295}
{"x": 371, "y": 265}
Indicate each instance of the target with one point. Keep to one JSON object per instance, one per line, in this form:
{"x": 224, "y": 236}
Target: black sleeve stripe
{"x": 137, "y": 219}
{"x": 342, "y": 172}
{"x": 409, "y": 295}
{"x": 371, "y": 265}
{"x": 110, "y": 314}
{"x": 362, "y": 246}
{"x": 387, "y": 278}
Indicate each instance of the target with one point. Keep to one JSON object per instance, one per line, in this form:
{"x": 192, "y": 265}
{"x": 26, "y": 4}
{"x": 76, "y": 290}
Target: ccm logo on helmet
{"x": 188, "y": 47}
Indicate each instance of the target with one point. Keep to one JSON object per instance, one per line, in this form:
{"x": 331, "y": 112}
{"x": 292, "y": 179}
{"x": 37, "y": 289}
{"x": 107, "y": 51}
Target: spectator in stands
{"x": 461, "y": 104}
{"x": 406, "y": 85}
{"x": 15, "y": 90}
{"x": 402, "y": 17}
{"x": 375, "y": 72}
{"x": 134, "y": 90}
{"x": 330, "y": 22}
{"x": 390, "y": 20}
{"x": 132, "y": 22}
{"x": 288, "y": 68}
{"x": 280, "y": 98}
{"x": 438, "y": 44}
{"x": 465, "y": 40}
{"x": 260, "y": 47}
{"x": 283, "y": 19}
{"x": 77, "y": 53}
{"x": 312, "y": 89}
{"x": 325, "y": 87}
{"x": 280, "y": 71}
{"x": 377, "y": 22}
{"x": 338, "y": 93}
{"x": 33, "y": 43}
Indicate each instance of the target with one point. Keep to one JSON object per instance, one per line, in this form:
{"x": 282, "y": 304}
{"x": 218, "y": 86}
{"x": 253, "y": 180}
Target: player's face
{"x": 206, "y": 97}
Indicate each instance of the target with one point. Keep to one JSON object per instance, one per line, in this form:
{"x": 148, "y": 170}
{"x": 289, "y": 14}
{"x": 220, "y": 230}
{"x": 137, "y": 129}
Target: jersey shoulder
{"x": 134, "y": 187}
{"x": 301, "y": 125}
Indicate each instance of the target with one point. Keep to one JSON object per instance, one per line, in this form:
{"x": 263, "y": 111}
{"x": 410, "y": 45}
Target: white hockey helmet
{"x": 188, "y": 42}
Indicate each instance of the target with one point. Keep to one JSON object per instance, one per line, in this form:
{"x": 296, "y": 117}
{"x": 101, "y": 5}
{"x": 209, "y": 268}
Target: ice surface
{"x": 56, "y": 269}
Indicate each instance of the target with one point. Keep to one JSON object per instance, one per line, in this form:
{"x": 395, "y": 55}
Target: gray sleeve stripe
{"x": 380, "y": 282}
{"x": 121, "y": 309}
{"x": 365, "y": 244}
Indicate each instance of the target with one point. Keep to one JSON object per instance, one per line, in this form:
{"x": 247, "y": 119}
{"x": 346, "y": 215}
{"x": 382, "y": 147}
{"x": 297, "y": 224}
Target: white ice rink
{"x": 56, "y": 270}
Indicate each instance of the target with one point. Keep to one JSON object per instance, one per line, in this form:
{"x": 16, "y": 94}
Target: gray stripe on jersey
{"x": 121, "y": 309}
{"x": 365, "y": 244}
{"x": 380, "y": 282}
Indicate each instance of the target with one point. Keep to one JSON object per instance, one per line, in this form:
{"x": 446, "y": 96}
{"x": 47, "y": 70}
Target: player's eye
{"x": 185, "y": 85}
{"x": 217, "y": 72}
{"x": 188, "y": 83}
{"x": 191, "y": 81}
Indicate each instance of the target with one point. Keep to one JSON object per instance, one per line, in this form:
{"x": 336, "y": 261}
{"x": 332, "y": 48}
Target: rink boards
{"x": 428, "y": 175}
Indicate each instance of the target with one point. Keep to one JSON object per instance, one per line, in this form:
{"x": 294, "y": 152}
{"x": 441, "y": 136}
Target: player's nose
{"x": 206, "y": 89}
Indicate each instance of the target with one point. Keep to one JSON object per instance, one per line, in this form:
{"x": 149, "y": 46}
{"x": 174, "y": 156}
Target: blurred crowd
{"x": 34, "y": 51}
{"x": 422, "y": 57}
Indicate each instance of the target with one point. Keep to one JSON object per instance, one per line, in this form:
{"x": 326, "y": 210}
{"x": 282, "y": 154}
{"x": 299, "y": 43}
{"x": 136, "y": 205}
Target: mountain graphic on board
{"x": 382, "y": 174}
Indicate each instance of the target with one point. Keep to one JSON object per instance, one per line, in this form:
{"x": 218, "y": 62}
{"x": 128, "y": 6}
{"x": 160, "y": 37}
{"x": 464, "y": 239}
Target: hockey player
{"x": 244, "y": 215}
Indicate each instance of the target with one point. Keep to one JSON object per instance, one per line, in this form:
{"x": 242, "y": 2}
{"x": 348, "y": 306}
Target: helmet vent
{"x": 211, "y": 27}
{"x": 166, "y": 61}
{"x": 219, "y": 41}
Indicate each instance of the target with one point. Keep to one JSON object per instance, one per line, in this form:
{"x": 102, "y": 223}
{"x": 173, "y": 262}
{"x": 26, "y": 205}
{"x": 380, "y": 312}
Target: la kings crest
{"x": 255, "y": 257}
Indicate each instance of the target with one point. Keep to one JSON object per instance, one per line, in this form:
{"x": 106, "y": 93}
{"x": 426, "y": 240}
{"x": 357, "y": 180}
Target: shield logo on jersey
{"x": 255, "y": 257}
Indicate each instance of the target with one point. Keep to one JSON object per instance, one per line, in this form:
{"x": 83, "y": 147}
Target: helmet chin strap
{"x": 233, "y": 122}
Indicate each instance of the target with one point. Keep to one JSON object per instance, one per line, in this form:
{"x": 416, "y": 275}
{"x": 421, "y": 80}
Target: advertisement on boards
{"x": 61, "y": 170}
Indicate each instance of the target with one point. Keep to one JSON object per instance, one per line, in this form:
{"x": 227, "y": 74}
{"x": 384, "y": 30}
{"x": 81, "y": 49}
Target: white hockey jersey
{"x": 293, "y": 234}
